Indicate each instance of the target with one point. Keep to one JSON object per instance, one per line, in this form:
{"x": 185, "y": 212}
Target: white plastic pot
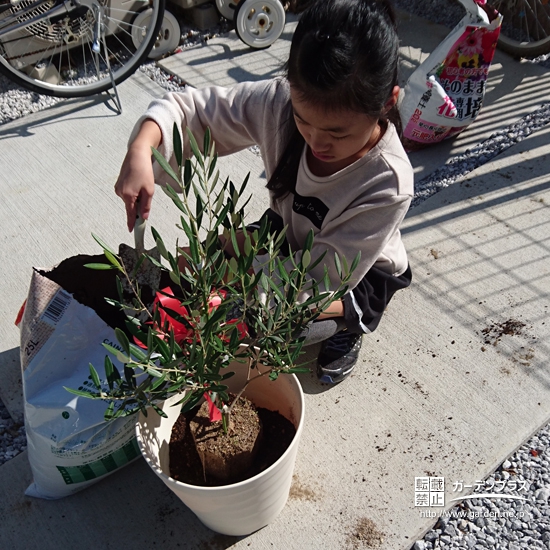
{"x": 241, "y": 508}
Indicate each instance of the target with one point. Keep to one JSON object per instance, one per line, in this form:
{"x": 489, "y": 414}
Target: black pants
{"x": 363, "y": 306}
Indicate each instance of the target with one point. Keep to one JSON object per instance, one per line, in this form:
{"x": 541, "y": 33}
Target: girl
{"x": 332, "y": 154}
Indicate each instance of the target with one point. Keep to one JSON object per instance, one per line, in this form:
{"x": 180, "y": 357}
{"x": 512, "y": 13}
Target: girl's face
{"x": 336, "y": 138}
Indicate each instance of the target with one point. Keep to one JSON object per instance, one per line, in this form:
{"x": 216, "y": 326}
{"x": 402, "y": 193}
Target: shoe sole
{"x": 333, "y": 379}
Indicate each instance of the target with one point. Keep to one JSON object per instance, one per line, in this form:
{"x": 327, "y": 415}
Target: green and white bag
{"x": 70, "y": 445}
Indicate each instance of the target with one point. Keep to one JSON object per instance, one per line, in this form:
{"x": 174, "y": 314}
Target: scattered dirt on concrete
{"x": 163, "y": 512}
{"x": 23, "y": 506}
{"x": 435, "y": 253}
{"x": 524, "y": 356}
{"x": 417, "y": 386}
{"x": 365, "y": 535}
{"x": 299, "y": 491}
{"x": 218, "y": 542}
{"x": 493, "y": 333}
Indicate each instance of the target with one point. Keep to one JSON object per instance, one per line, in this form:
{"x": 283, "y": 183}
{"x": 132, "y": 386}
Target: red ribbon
{"x": 216, "y": 297}
{"x": 165, "y": 299}
{"x": 241, "y": 327}
{"x": 181, "y": 332}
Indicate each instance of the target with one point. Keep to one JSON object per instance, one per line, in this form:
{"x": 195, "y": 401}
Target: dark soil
{"x": 90, "y": 287}
{"x": 494, "y": 332}
{"x": 186, "y": 466}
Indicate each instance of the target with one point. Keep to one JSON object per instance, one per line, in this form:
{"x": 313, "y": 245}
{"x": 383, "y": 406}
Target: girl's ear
{"x": 392, "y": 100}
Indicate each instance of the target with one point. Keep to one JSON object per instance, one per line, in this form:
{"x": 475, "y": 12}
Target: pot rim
{"x": 294, "y": 442}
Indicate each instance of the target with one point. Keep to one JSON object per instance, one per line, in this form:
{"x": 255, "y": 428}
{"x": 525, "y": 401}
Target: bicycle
{"x": 76, "y": 48}
{"x": 525, "y": 28}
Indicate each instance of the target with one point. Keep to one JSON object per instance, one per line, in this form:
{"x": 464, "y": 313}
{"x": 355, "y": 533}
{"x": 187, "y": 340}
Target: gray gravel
{"x": 12, "y": 436}
{"x": 459, "y": 166}
{"x": 503, "y": 524}
{"x": 474, "y": 524}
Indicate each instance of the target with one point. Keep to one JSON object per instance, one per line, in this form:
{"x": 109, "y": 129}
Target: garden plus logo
{"x": 430, "y": 492}
{"x": 497, "y": 486}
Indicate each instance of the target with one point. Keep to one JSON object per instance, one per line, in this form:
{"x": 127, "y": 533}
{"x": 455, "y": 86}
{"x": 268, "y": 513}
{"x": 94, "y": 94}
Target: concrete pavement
{"x": 439, "y": 390}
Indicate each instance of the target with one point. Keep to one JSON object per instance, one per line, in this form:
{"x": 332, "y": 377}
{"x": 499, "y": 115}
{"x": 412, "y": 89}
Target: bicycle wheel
{"x": 258, "y": 23}
{"x": 64, "y": 49}
{"x": 525, "y": 28}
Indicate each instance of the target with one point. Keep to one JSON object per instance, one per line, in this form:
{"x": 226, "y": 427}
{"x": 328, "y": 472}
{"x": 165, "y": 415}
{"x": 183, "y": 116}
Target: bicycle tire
{"x": 46, "y": 49}
{"x": 525, "y": 28}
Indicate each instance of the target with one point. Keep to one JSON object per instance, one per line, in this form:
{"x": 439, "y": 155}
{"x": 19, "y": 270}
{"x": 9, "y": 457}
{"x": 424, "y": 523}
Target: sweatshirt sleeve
{"x": 238, "y": 117}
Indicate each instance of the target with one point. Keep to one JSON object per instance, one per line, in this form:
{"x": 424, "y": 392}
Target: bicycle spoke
{"x": 64, "y": 44}
{"x": 526, "y": 26}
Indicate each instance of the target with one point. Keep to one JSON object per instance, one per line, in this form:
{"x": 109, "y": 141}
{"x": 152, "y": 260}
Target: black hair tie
{"x": 322, "y": 37}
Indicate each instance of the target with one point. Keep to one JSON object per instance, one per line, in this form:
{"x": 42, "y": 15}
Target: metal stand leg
{"x": 115, "y": 97}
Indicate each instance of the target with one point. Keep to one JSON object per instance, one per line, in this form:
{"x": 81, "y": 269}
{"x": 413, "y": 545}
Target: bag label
{"x": 445, "y": 93}
{"x": 101, "y": 467}
{"x": 56, "y": 308}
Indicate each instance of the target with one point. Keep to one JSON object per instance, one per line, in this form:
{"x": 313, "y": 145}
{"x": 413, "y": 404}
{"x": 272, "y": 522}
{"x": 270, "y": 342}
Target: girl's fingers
{"x": 136, "y": 182}
{"x": 131, "y": 214}
{"x": 145, "y": 200}
{"x": 138, "y": 205}
{"x": 135, "y": 186}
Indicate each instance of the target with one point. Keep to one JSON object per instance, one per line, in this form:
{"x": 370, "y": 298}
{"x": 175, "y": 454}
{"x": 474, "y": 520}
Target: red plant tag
{"x": 214, "y": 413}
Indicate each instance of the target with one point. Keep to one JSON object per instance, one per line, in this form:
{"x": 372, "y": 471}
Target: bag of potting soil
{"x": 445, "y": 93}
{"x": 70, "y": 446}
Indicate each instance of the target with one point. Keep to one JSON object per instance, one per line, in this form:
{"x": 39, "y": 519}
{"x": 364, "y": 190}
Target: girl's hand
{"x": 136, "y": 183}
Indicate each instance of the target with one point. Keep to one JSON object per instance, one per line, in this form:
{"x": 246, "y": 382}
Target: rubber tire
{"x": 524, "y": 49}
{"x": 224, "y": 10}
{"x": 243, "y": 5}
{"x": 170, "y": 23}
{"x": 86, "y": 90}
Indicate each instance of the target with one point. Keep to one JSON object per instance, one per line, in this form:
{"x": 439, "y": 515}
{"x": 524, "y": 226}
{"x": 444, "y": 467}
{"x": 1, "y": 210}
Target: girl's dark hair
{"x": 344, "y": 55}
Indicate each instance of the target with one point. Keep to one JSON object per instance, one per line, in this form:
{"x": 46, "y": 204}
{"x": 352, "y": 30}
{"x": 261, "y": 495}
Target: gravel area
{"x": 12, "y": 436}
{"x": 473, "y": 524}
{"x": 503, "y": 524}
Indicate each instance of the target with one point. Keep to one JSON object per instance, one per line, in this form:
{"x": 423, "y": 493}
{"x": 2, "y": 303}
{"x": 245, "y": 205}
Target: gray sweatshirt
{"x": 357, "y": 209}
